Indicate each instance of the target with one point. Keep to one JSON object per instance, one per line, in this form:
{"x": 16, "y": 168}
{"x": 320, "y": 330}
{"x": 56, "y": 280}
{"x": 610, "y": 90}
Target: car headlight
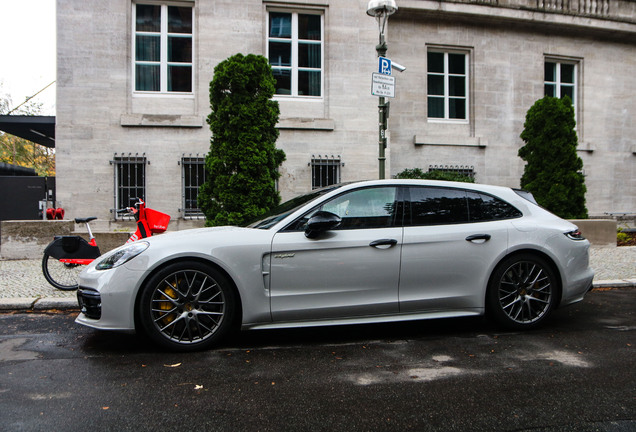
{"x": 122, "y": 256}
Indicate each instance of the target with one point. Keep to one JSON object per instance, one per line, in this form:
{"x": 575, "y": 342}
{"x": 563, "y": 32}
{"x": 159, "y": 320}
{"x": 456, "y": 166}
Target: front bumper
{"x": 107, "y": 298}
{"x": 90, "y": 302}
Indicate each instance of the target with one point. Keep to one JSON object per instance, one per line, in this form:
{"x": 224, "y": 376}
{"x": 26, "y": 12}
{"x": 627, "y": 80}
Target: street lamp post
{"x": 381, "y": 9}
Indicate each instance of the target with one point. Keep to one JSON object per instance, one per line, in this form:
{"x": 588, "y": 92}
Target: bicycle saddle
{"x": 85, "y": 220}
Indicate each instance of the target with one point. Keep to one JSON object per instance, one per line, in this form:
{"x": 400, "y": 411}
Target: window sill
{"x": 306, "y": 123}
{"x": 156, "y": 120}
{"x": 585, "y": 147}
{"x": 448, "y": 121}
{"x": 441, "y": 140}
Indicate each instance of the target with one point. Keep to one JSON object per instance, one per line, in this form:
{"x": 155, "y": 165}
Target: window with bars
{"x": 162, "y": 47}
{"x": 130, "y": 178}
{"x": 468, "y": 171}
{"x": 447, "y": 85}
{"x": 295, "y": 52}
{"x": 192, "y": 177}
{"x": 325, "y": 171}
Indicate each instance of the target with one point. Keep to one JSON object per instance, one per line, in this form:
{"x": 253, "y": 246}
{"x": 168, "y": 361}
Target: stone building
{"x": 133, "y": 77}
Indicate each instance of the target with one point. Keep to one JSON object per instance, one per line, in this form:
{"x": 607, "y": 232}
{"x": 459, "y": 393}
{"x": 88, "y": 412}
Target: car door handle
{"x": 383, "y": 242}
{"x": 477, "y": 237}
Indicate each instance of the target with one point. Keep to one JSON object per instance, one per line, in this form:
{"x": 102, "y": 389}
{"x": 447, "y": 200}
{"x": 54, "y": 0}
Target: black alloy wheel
{"x": 522, "y": 293}
{"x": 187, "y": 306}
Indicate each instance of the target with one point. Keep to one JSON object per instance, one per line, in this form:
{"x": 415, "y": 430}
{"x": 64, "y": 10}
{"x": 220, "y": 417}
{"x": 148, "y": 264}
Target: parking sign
{"x": 384, "y": 66}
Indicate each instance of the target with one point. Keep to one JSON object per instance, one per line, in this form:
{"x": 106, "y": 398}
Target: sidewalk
{"x": 22, "y": 286}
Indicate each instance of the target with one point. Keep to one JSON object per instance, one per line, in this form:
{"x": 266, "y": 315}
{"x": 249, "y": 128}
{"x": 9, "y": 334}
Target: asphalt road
{"x": 576, "y": 374}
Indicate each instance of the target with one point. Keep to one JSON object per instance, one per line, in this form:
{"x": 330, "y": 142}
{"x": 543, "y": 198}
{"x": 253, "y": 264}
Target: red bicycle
{"x": 65, "y": 257}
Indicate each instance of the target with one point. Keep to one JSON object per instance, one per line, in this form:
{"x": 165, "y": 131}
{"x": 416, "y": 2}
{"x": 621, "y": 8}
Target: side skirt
{"x": 364, "y": 319}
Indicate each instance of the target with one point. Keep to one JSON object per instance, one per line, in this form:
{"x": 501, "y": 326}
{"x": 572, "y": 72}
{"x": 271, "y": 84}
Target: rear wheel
{"x": 187, "y": 306}
{"x": 522, "y": 292}
{"x": 62, "y": 276}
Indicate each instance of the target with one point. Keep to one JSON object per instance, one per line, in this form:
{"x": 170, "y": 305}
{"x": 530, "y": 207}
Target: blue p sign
{"x": 384, "y": 66}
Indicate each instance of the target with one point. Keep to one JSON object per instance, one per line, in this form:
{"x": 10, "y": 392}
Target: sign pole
{"x": 382, "y": 117}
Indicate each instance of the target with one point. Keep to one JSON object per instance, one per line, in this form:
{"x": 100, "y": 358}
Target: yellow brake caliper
{"x": 166, "y": 305}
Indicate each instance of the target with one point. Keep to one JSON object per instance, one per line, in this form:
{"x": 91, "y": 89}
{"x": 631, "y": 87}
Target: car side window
{"x": 359, "y": 209}
{"x": 435, "y": 206}
{"x": 483, "y": 208}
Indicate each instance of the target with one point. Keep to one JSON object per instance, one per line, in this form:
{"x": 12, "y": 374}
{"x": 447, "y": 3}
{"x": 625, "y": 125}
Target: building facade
{"x": 133, "y": 79}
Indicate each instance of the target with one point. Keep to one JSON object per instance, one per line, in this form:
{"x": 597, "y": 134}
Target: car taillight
{"x": 575, "y": 235}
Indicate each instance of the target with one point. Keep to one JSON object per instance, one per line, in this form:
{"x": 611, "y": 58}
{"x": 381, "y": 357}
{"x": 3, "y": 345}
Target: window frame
{"x": 294, "y": 41}
{"x": 446, "y": 75}
{"x": 557, "y": 83}
{"x": 163, "y": 62}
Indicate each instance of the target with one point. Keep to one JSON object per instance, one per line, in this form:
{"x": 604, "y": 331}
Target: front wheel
{"x": 187, "y": 306}
{"x": 62, "y": 276}
{"x": 522, "y": 292}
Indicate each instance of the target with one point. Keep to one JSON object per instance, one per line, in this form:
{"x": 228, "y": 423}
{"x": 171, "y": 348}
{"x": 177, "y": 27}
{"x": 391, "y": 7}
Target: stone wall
{"x": 28, "y": 239}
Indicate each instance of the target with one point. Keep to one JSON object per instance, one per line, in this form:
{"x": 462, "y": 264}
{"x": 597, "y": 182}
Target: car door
{"x": 352, "y": 270}
{"x": 447, "y": 257}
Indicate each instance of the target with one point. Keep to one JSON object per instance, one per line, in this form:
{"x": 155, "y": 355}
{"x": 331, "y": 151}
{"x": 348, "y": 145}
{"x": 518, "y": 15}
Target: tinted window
{"x": 435, "y": 206}
{"x": 487, "y": 208}
{"x": 359, "y": 209}
{"x": 280, "y": 212}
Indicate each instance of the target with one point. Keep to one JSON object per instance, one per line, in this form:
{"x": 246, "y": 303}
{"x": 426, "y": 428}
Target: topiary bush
{"x": 242, "y": 165}
{"x": 553, "y": 169}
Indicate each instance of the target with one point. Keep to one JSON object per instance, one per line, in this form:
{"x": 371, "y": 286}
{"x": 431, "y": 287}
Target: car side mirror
{"x": 320, "y": 222}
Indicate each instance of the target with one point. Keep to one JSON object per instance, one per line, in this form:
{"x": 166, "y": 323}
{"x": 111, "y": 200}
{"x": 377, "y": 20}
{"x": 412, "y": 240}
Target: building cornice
{"x": 615, "y": 18}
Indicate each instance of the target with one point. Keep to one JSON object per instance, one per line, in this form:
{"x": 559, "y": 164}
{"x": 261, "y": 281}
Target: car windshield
{"x": 280, "y": 212}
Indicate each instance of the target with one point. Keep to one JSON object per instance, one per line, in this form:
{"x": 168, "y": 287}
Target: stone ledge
{"x": 306, "y": 123}
{"x": 600, "y": 232}
{"x": 154, "y": 120}
{"x": 449, "y": 140}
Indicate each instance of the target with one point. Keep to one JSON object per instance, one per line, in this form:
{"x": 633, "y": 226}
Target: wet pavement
{"x": 576, "y": 373}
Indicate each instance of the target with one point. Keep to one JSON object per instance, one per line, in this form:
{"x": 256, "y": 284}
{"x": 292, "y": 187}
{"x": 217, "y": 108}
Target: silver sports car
{"x": 367, "y": 252}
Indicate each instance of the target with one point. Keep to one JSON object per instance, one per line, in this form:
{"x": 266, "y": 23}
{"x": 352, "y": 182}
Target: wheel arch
{"x": 238, "y": 317}
{"x": 537, "y": 253}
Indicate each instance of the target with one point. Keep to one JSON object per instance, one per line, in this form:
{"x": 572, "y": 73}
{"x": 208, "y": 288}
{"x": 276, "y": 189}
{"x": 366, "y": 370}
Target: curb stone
{"x": 48, "y": 303}
{"x": 37, "y": 304}
{"x": 616, "y": 283}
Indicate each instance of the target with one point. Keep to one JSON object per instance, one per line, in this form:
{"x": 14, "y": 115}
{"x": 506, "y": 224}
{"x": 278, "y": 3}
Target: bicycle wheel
{"x": 62, "y": 276}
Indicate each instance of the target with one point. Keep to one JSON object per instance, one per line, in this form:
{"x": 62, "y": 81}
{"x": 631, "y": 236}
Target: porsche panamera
{"x": 365, "y": 252}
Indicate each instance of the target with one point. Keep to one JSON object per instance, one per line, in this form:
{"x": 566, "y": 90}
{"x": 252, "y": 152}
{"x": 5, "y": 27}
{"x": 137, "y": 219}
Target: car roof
{"x": 416, "y": 182}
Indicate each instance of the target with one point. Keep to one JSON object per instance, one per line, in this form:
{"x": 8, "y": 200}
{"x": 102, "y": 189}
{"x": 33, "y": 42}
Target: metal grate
{"x": 192, "y": 178}
{"x": 468, "y": 171}
{"x": 325, "y": 170}
{"x": 130, "y": 178}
